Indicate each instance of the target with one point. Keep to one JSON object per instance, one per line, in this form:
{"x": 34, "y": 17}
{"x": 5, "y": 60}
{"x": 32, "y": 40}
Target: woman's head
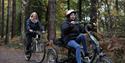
{"x": 71, "y": 14}
{"x": 34, "y": 16}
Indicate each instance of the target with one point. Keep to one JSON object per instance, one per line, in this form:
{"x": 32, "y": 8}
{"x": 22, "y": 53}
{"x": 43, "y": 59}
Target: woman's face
{"x": 72, "y": 16}
{"x": 34, "y": 16}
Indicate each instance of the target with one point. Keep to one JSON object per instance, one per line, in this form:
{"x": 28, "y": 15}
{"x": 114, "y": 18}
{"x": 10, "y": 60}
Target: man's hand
{"x": 30, "y": 30}
{"x": 73, "y": 22}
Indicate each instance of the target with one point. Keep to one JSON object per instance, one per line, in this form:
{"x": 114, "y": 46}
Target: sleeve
{"x": 28, "y": 25}
{"x": 82, "y": 29}
{"x": 40, "y": 26}
{"x": 66, "y": 28}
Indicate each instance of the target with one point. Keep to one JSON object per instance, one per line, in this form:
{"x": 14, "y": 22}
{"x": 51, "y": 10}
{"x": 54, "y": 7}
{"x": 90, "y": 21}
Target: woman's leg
{"x": 72, "y": 43}
{"x": 28, "y": 44}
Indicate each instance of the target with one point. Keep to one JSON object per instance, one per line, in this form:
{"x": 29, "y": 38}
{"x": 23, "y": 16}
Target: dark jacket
{"x": 70, "y": 31}
{"x": 34, "y": 26}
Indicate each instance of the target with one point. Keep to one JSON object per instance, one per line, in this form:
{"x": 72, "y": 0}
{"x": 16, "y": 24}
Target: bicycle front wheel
{"x": 104, "y": 59}
{"x": 39, "y": 52}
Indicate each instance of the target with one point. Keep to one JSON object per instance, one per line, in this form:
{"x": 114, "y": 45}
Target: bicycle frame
{"x": 35, "y": 40}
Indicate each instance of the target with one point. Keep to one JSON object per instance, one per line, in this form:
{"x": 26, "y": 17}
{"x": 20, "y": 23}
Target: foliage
{"x": 111, "y": 13}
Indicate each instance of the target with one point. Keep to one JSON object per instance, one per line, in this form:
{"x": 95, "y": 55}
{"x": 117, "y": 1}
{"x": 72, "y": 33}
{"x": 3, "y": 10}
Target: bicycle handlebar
{"x": 88, "y": 25}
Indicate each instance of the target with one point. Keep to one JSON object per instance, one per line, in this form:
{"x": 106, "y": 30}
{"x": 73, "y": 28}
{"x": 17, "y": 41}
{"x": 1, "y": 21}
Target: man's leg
{"x": 81, "y": 38}
{"x": 72, "y": 43}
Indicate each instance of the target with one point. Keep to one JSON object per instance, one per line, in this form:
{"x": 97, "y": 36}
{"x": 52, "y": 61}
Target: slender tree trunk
{"x": 13, "y": 29}
{"x": 19, "y": 20}
{"x": 80, "y": 9}
{"x": 24, "y": 5}
{"x": 109, "y": 19}
{"x": 117, "y": 18}
{"x": 93, "y": 15}
{"x": 2, "y": 24}
{"x": 46, "y": 19}
{"x": 51, "y": 19}
{"x": 7, "y": 23}
{"x": 0, "y": 17}
{"x": 68, "y": 4}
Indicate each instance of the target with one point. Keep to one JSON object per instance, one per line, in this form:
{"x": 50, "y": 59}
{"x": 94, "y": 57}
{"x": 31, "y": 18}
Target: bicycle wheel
{"x": 38, "y": 52}
{"x": 51, "y": 56}
{"x": 90, "y": 58}
{"x": 104, "y": 59}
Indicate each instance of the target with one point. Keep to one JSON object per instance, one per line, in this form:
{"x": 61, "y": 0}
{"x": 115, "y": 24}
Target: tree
{"x": 7, "y": 23}
{"x": 79, "y": 9}
{"x": 93, "y": 15}
{"x": 0, "y": 17}
{"x": 23, "y": 17}
{"x": 51, "y": 19}
{"x": 68, "y": 4}
{"x": 2, "y": 24}
{"x": 13, "y": 28}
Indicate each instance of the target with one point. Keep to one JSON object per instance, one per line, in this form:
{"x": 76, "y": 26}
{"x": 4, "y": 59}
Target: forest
{"x": 109, "y": 16}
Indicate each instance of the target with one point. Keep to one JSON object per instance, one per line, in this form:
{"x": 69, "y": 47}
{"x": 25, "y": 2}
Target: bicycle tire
{"x": 51, "y": 56}
{"x": 39, "y": 56}
{"x": 91, "y": 57}
{"x": 104, "y": 59}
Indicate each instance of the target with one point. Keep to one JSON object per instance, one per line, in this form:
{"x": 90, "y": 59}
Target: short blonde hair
{"x": 33, "y": 14}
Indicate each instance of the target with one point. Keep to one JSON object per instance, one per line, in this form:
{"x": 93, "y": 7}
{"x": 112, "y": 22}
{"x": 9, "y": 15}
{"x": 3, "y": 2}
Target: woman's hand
{"x": 43, "y": 31}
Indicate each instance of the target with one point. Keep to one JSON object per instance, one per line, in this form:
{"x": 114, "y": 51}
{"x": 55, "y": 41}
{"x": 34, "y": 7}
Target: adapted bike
{"x": 96, "y": 54}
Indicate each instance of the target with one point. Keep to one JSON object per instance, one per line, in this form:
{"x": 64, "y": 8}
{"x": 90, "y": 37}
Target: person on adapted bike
{"x": 71, "y": 34}
{"x": 32, "y": 24}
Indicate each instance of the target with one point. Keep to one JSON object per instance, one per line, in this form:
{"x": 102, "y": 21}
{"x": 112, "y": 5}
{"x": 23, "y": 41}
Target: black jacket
{"x": 34, "y": 26}
{"x": 70, "y": 31}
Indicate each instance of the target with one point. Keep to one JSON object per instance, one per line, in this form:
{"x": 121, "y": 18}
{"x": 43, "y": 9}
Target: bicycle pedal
{"x": 87, "y": 58}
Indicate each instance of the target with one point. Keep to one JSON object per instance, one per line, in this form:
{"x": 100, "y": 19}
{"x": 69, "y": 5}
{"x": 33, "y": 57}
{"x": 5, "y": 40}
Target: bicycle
{"x": 37, "y": 50}
{"x": 96, "y": 56}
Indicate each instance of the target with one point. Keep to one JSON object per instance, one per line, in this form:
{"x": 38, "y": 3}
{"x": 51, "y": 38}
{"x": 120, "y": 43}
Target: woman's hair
{"x": 33, "y": 14}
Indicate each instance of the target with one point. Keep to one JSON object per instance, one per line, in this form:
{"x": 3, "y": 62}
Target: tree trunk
{"x": 24, "y": 5}
{"x": 7, "y": 23}
{"x": 0, "y": 17}
{"x": 109, "y": 19}
{"x": 93, "y": 15}
{"x": 51, "y": 19}
{"x": 13, "y": 29}
{"x": 19, "y": 20}
{"x": 68, "y": 4}
{"x": 117, "y": 17}
{"x": 2, "y": 23}
{"x": 80, "y": 9}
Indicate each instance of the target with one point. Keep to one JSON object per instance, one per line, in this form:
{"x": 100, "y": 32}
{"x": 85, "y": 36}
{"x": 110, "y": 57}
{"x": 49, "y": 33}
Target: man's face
{"x": 72, "y": 16}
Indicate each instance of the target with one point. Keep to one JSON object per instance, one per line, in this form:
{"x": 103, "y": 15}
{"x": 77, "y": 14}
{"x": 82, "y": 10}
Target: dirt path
{"x": 11, "y": 55}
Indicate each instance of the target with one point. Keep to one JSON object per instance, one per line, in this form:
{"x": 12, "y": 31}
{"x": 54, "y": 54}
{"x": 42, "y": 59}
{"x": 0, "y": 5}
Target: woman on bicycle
{"x": 71, "y": 34}
{"x": 32, "y": 24}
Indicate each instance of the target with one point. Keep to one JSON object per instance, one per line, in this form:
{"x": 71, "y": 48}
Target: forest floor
{"x": 13, "y": 53}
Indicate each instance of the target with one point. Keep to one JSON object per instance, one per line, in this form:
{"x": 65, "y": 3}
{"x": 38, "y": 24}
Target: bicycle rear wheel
{"x": 38, "y": 53}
